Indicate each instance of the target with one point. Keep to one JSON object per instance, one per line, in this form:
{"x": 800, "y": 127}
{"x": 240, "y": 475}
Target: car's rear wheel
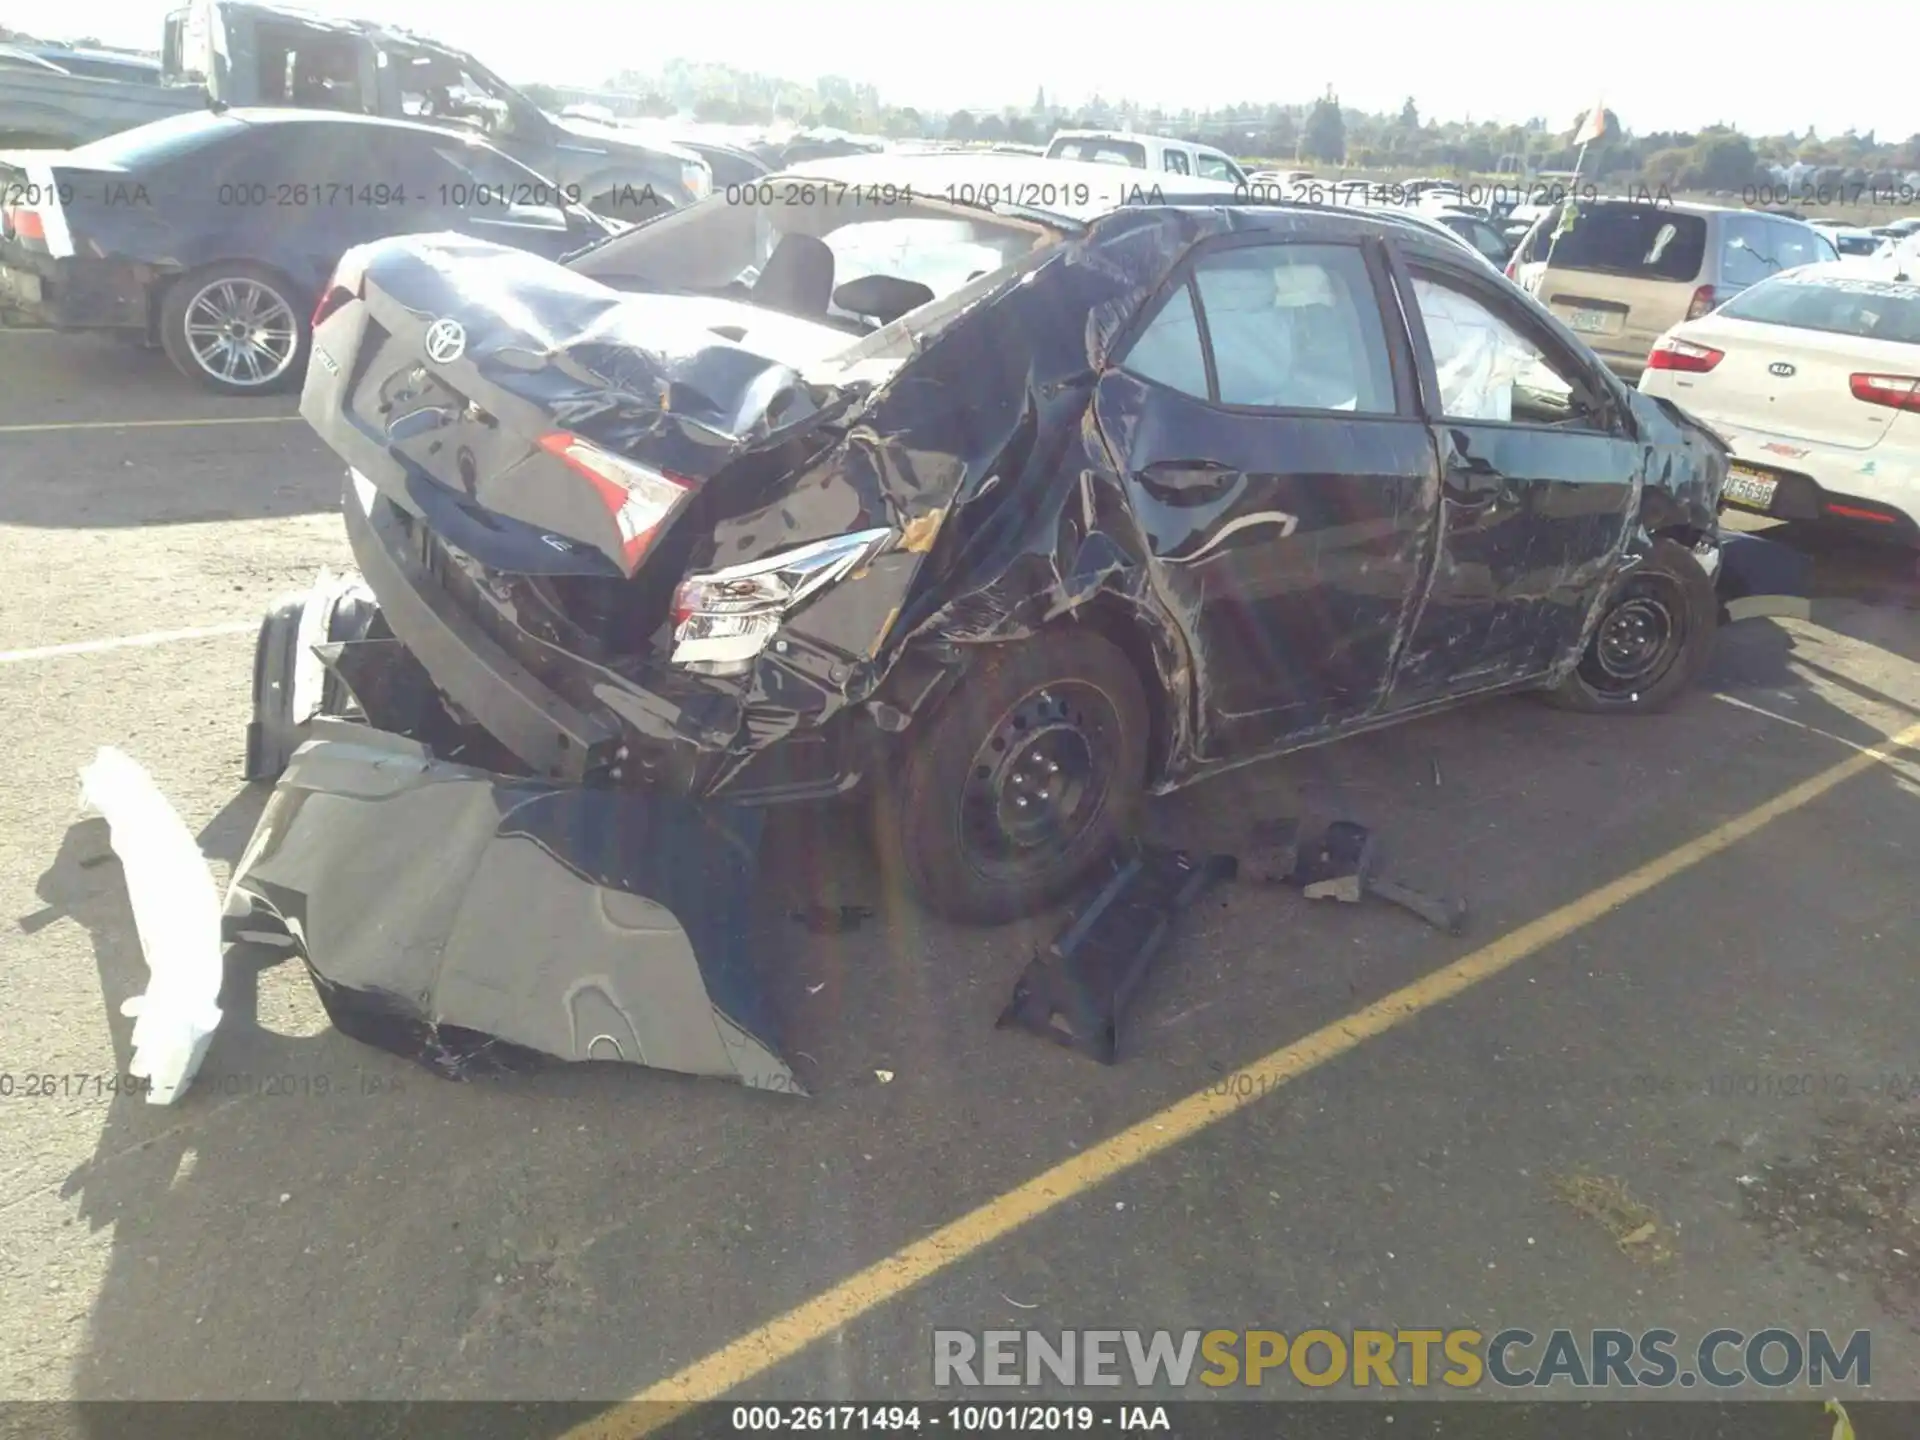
{"x": 1021, "y": 782}
{"x": 237, "y": 329}
{"x": 1654, "y": 636}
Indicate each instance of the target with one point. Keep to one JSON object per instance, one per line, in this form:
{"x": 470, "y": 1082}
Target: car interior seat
{"x": 797, "y": 278}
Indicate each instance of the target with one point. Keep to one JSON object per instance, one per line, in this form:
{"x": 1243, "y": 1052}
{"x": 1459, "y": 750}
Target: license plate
{"x": 1588, "y": 322}
{"x": 1750, "y": 488}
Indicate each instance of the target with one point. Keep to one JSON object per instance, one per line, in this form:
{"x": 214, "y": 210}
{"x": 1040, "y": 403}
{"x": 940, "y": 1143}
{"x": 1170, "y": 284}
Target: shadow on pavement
{"x": 439, "y": 1241}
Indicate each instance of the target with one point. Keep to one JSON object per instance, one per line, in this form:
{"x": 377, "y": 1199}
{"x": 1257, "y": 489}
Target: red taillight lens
{"x": 1899, "y": 392}
{"x": 641, "y": 500}
{"x": 348, "y": 283}
{"x": 1671, "y": 354}
{"x": 25, "y": 224}
{"x": 1701, "y": 304}
{"x": 1513, "y": 268}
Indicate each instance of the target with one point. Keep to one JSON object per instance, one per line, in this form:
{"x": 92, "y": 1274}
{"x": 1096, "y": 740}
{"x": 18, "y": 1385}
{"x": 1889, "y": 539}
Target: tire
{"x": 1654, "y": 637}
{"x": 275, "y": 360}
{"x": 1066, "y": 699}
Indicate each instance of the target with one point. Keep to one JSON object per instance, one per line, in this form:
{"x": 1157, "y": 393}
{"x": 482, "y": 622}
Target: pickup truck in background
{"x": 240, "y": 53}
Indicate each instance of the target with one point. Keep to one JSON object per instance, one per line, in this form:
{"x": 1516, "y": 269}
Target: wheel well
{"x": 1112, "y": 622}
{"x": 298, "y": 295}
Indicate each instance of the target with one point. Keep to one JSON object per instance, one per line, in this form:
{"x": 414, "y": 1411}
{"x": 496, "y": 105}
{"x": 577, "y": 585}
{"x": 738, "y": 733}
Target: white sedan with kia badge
{"x": 1813, "y": 377}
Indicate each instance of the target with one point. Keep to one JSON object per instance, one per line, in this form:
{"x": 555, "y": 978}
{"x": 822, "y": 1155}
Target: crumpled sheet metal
{"x": 628, "y": 372}
{"x": 449, "y": 913}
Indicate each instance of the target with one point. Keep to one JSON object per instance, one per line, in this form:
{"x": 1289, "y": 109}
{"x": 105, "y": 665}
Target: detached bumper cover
{"x": 464, "y": 917}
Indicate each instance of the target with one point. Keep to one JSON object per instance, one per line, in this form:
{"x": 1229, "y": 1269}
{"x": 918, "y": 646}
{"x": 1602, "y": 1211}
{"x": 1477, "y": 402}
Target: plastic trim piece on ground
{"x": 1074, "y": 994}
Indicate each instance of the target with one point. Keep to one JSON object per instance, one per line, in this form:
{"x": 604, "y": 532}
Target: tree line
{"x": 1321, "y": 132}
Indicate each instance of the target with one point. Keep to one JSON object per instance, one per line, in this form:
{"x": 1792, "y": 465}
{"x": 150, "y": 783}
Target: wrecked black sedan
{"x": 923, "y": 484}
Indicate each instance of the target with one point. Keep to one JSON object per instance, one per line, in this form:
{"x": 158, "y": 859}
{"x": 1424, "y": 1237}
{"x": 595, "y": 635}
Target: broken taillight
{"x": 1897, "y": 392}
{"x": 348, "y": 283}
{"x": 17, "y": 222}
{"x": 640, "y": 499}
{"x": 1701, "y": 304}
{"x": 1671, "y": 354}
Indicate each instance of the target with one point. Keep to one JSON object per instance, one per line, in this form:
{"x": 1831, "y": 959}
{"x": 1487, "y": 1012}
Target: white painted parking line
{"x": 155, "y": 637}
{"x": 150, "y": 424}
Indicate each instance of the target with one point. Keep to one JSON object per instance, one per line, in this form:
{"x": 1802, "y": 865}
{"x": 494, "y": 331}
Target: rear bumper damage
{"x": 473, "y": 920}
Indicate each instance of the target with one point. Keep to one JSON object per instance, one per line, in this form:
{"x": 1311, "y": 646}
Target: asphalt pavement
{"x": 319, "y": 1219}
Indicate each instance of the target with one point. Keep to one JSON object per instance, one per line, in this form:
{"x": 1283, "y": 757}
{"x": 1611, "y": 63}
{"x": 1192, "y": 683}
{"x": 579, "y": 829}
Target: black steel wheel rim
{"x": 1039, "y": 780}
{"x": 1639, "y": 637}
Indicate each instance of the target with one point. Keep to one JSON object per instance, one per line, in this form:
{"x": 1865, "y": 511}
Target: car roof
{"x": 1853, "y": 271}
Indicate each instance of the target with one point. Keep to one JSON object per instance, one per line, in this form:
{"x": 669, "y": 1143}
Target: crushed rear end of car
{"x": 625, "y": 576}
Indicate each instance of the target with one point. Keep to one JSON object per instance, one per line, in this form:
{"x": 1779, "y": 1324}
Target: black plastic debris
{"x": 1341, "y": 861}
{"x": 1074, "y": 993}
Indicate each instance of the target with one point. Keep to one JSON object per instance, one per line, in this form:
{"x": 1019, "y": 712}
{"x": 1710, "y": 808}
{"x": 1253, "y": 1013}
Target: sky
{"x": 1658, "y": 64}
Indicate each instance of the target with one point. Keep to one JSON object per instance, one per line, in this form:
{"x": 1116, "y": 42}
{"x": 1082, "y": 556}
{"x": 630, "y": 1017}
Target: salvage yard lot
{"x": 586, "y": 1233}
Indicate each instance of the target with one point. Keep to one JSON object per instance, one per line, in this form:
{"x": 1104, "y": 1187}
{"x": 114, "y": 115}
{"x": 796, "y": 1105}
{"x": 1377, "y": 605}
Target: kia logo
{"x": 1780, "y": 368}
{"x": 446, "y": 341}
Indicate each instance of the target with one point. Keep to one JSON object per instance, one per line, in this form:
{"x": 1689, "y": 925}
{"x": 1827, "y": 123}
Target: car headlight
{"x": 698, "y": 178}
{"x": 723, "y": 619}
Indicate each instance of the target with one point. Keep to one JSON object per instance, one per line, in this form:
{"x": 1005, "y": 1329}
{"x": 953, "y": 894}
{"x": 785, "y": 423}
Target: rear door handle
{"x": 1469, "y": 488}
{"x": 1202, "y": 476}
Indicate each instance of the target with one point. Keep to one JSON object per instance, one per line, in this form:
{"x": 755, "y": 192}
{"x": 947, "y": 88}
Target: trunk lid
{"x": 1791, "y": 382}
{"x": 516, "y": 388}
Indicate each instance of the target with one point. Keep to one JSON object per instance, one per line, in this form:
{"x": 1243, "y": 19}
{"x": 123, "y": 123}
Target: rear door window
{"x": 1295, "y": 327}
{"x": 146, "y": 148}
{"x": 1644, "y": 242}
{"x": 1795, "y": 244}
{"x": 1217, "y": 167}
{"x": 1168, "y": 351}
{"x": 1747, "y": 245}
{"x": 1175, "y": 161}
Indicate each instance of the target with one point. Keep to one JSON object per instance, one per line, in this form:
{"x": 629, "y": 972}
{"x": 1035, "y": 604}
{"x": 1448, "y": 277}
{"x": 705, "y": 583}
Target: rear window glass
{"x": 1105, "y": 152}
{"x": 1856, "y": 244}
{"x": 1870, "y": 309}
{"x": 160, "y": 143}
{"x": 1649, "y": 242}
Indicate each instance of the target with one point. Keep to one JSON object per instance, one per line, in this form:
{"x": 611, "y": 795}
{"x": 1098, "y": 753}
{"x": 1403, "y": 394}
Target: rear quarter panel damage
{"x": 985, "y": 455}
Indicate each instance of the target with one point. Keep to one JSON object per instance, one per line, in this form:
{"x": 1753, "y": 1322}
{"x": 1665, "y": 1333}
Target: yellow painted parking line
{"x": 149, "y": 424}
{"x": 785, "y": 1336}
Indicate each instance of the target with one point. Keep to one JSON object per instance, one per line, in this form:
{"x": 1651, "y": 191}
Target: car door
{"x": 1540, "y": 483}
{"x": 1264, "y": 419}
{"x": 298, "y": 193}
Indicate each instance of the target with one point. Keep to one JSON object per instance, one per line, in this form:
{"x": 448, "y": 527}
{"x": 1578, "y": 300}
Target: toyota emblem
{"x": 446, "y": 341}
{"x": 1780, "y": 368}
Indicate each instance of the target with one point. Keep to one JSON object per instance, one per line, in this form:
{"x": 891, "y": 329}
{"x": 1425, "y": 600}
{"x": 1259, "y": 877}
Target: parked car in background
{"x": 12, "y": 57}
{"x": 1065, "y": 512}
{"x": 1847, "y": 240}
{"x": 1628, "y": 270}
{"x": 1476, "y": 230}
{"x": 1157, "y": 153}
{"x": 1813, "y": 377}
{"x": 212, "y": 234}
{"x": 101, "y": 64}
{"x": 244, "y": 54}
